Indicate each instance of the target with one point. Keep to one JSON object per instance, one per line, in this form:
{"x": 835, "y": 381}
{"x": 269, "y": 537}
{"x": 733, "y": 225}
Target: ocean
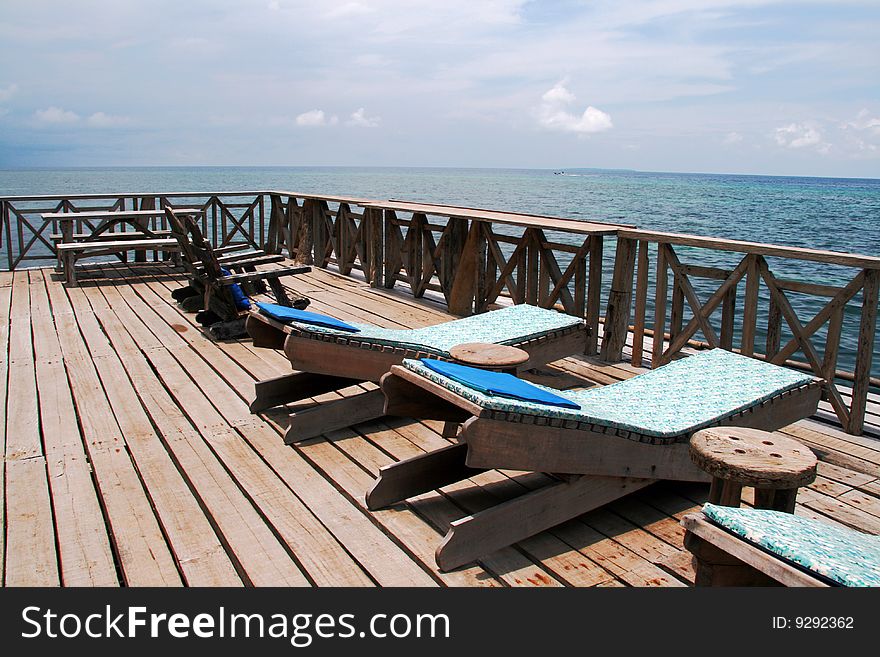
{"x": 837, "y": 214}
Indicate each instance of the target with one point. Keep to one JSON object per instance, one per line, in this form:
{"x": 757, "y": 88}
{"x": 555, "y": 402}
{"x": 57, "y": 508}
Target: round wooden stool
{"x": 496, "y": 357}
{"x": 735, "y": 457}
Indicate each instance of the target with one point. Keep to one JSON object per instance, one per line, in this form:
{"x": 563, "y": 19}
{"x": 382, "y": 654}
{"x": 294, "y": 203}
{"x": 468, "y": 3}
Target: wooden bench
{"x": 119, "y": 235}
{"x": 70, "y": 252}
{"x": 58, "y": 238}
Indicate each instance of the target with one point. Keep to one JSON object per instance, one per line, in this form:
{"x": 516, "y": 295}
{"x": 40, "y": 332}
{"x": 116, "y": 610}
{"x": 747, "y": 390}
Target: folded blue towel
{"x": 496, "y": 383}
{"x": 286, "y": 314}
{"x": 241, "y": 300}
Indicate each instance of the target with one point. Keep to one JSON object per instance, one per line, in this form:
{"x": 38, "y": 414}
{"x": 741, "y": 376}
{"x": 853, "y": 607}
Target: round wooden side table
{"x": 496, "y": 357}
{"x": 775, "y": 465}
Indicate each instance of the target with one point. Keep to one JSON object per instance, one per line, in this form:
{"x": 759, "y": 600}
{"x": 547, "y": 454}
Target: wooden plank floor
{"x": 130, "y": 458}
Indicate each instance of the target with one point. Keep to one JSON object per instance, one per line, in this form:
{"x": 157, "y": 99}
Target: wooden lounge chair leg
{"x": 334, "y": 415}
{"x": 420, "y": 474}
{"x": 450, "y": 429}
{"x": 280, "y": 293}
{"x": 265, "y": 335}
{"x": 295, "y": 386}
{"x": 474, "y": 536}
{"x": 714, "y": 567}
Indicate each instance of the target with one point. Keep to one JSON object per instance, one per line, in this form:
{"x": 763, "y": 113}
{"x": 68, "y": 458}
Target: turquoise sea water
{"x": 821, "y": 213}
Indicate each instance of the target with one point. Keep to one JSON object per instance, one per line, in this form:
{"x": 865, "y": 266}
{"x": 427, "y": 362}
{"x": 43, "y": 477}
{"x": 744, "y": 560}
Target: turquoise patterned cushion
{"x": 844, "y": 556}
{"x": 672, "y": 401}
{"x": 509, "y": 325}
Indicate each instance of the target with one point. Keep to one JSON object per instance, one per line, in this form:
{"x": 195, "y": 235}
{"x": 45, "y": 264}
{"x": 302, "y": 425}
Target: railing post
{"x": 275, "y": 235}
{"x": 4, "y": 230}
{"x": 660, "y": 308}
{"x": 774, "y": 328}
{"x": 728, "y": 315}
{"x": 750, "y": 308}
{"x": 306, "y": 224}
{"x": 340, "y": 232}
{"x": 450, "y": 255}
{"x": 641, "y": 303}
{"x": 461, "y": 296}
{"x": 293, "y": 218}
{"x": 481, "y": 290}
{"x": 393, "y": 260}
{"x": 319, "y": 233}
{"x": 619, "y": 301}
{"x": 864, "y": 352}
{"x": 374, "y": 246}
{"x": 594, "y": 293}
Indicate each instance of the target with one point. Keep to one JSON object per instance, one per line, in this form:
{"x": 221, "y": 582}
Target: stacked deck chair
{"x": 330, "y": 355}
{"x": 221, "y": 281}
{"x": 758, "y": 547}
{"x": 597, "y": 444}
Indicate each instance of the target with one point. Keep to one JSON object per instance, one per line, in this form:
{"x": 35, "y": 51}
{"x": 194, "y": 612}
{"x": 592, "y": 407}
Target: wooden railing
{"x": 654, "y": 288}
{"x": 472, "y": 257}
{"x": 228, "y": 217}
{"x": 667, "y": 310}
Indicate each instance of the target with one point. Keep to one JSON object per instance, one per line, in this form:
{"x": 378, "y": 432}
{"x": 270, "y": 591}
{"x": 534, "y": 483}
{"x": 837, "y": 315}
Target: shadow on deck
{"x": 131, "y": 459}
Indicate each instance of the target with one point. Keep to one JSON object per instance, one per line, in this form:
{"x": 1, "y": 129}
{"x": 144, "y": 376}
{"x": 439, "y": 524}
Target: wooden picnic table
{"x": 102, "y": 241}
{"x": 108, "y": 219}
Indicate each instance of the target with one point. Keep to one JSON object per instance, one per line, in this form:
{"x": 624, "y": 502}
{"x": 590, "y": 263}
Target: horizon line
{"x": 562, "y": 170}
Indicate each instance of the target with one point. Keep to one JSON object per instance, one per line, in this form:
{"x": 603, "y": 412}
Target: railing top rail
{"x": 739, "y": 246}
{"x": 142, "y": 194}
{"x": 351, "y": 200}
{"x": 502, "y": 217}
{"x": 115, "y": 214}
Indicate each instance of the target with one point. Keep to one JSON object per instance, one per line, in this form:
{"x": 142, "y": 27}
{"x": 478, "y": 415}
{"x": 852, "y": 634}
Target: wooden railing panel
{"x": 787, "y": 333}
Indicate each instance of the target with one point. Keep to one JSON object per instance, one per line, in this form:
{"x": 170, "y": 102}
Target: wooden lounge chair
{"x": 222, "y": 284}
{"x": 624, "y": 437}
{"x": 326, "y": 360}
{"x": 757, "y": 547}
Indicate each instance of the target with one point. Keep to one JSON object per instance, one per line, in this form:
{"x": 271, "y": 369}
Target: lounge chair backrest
{"x": 179, "y": 232}
{"x": 202, "y": 250}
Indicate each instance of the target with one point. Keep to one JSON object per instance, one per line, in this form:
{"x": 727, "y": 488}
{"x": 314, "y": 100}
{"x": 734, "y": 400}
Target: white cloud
{"x": 359, "y": 120}
{"x": 349, "y": 9}
{"x": 102, "y": 120}
{"x": 733, "y": 138}
{"x": 862, "y": 134}
{"x": 315, "y": 117}
{"x": 8, "y": 92}
{"x": 553, "y": 113}
{"x": 56, "y": 115}
{"x": 864, "y": 121}
{"x": 801, "y": 135}
{"x": 274, "y": 5}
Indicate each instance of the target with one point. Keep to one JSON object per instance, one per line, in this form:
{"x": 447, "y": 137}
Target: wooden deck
{"x": 131, "y": 459}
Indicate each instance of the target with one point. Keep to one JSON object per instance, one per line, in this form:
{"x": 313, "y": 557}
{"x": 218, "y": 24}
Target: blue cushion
{"x": 287, "y": 314}
{"x": 842, "y": 555}
{"x": 241, "y": 300}
{"x": 497, "y": 383}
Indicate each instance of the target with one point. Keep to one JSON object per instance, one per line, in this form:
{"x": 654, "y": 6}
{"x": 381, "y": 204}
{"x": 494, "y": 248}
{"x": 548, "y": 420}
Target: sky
{"x": 729, "y": 86}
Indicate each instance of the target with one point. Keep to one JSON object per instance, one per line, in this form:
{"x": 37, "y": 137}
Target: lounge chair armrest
{"x": 249, "y": 259}
{"x": 262, "y": 275}
{"x": 233, "y": 247}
